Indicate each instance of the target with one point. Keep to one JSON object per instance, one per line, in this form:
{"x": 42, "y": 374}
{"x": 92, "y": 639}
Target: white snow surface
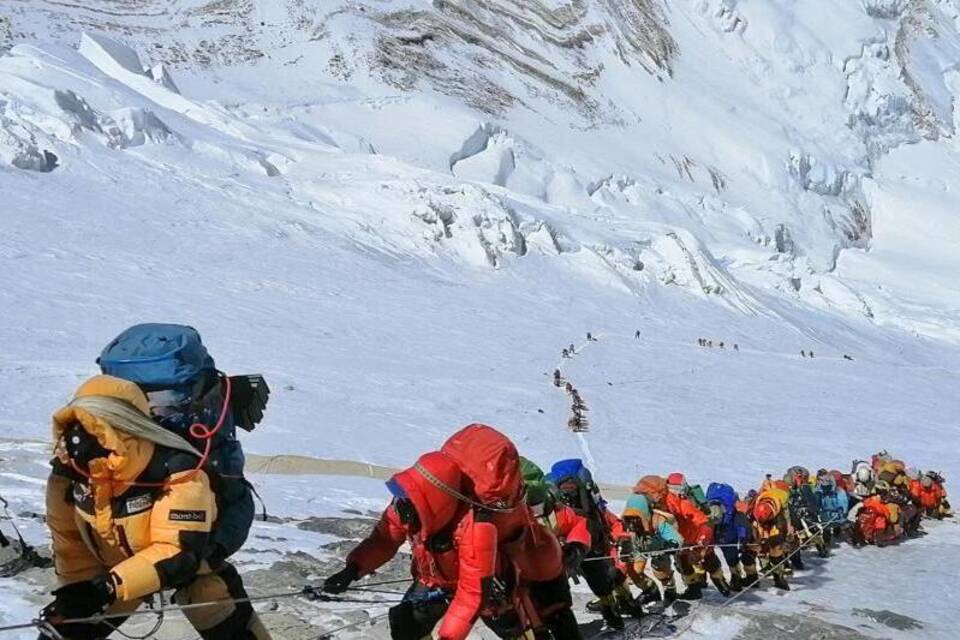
{"x": 400, "y": 213}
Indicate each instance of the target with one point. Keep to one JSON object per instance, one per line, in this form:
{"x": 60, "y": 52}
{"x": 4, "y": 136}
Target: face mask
{"x": 407, "y": 513}
{"x": 82, "y": 447}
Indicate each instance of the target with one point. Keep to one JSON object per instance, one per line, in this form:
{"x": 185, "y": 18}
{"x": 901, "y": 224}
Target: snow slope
{"x": 400, "y": 212}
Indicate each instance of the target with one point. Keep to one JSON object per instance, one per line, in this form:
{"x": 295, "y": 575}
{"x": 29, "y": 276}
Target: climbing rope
{"x": 309, "y": 592}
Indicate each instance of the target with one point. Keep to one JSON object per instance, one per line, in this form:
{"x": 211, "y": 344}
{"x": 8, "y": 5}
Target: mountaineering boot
{"x": 563, "y": 626}
{"x": 669, "y": 595}
{"x": 628, "y": 605}
{"x": 720, "y": 582}
{"x": 823, "y": 550}
{"x": 608, "y": 609}
{"x": 780, "y": 582}
{"x": 650, "y": 594}
{"x": 736, "y": 582}
{"x": 694, "y": 591}
{"x": 796, "y": 561}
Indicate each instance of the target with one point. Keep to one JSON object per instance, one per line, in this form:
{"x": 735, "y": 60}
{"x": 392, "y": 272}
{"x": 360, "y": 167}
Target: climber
{"x": 832, "y": 506}
{"x": 930, "y": 496}
{"x": 577, "y": 490}
{"x": 677, "y": 483}
{"x": 649, "y": 531}
{"x": 876, "y": 521}
{"x": 731, "y": 529}
{"x": 132, "y": 510}
{"x": 804, "y": 515}
{"x": 771, "y": 532}
{"x": 864, "y": 478}
{"x": 455, "y": 549}
{"x": 693, "y": 525}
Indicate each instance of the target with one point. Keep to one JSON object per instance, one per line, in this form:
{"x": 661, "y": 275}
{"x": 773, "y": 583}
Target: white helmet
{"x": 864, "y": 475}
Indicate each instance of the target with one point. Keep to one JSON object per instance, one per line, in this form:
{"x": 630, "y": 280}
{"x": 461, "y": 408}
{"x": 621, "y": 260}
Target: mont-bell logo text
{"x": 179, "y": 515}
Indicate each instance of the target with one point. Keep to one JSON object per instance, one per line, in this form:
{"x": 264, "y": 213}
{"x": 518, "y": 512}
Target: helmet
{"x": 926, "y": 481}
{"x": 654, "y": 487}
{"x": 765, "y": 510}
{"x": 864, "y": 475}
{"x": 677, "y": 483}
{"x": 797, "y": 476}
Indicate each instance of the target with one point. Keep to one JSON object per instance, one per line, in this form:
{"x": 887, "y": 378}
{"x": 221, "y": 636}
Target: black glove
{"x": 572, "y": 557}
{"x": 81, "y": 599}
{"x": 340, "y": 581}
{"x": 248, "y": 399}
{"x": 625, "y": 548}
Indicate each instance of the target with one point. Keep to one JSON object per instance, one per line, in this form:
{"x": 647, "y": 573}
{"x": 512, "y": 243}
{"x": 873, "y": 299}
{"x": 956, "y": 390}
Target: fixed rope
{"x": 309, "y": 592}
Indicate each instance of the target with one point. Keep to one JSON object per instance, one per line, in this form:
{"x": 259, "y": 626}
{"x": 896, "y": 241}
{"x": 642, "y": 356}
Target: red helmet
{"x": 765, "y": 510}
{"x": 677, "y": 483}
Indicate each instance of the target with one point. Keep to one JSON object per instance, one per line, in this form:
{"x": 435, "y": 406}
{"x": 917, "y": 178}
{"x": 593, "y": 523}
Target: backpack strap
{"x": 432, "y": 479}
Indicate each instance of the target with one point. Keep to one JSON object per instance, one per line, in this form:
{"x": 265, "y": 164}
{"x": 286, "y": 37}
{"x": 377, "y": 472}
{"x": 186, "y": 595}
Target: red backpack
{"x": 491, "y": 464}
{"x": 493, "y": 482}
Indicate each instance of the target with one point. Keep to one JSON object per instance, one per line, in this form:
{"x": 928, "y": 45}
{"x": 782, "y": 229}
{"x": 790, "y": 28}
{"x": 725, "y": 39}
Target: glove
{"x": 249, "y": 396}
{"x": 340, "y": 581}
{"x": 625, "y": 548}
{"x": 572, "y": 557}
{"x": 81, "y": 599}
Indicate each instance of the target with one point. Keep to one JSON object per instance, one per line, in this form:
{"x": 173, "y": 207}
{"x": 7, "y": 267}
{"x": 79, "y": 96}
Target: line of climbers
{"x": 147, "y": 492}
{"x": 577, "y": 422}
{"x": 495, "y": 539}
{"x": 704, "y": 342}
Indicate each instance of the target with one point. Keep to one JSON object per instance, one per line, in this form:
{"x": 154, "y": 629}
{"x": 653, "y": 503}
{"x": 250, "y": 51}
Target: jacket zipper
{"x": 122, "y": 535}
{"x": 91, "y": 541}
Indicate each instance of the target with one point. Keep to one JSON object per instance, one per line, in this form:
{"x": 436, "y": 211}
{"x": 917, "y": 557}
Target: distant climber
{"x": 736, "y": 347}
{"x": 803, "y": 353}
{"x": 557, "y": 378}
{"x": 589, "y": 337}
{"x": 637, "y": 335}
{"x": 846, "y": 357}
{"x": 721, "y": 345}
{"x": 565, "y": 354}
{"x": 572, "y": 349}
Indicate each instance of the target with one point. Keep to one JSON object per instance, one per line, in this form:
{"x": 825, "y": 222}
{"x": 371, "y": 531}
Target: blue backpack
{"x": 586, "y": 501}
{"x": 725, "y": 496}
{"x": 172, "y": 366}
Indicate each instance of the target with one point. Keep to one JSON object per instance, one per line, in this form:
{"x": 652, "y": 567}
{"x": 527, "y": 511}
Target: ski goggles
{"x": 403, "y": 506}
